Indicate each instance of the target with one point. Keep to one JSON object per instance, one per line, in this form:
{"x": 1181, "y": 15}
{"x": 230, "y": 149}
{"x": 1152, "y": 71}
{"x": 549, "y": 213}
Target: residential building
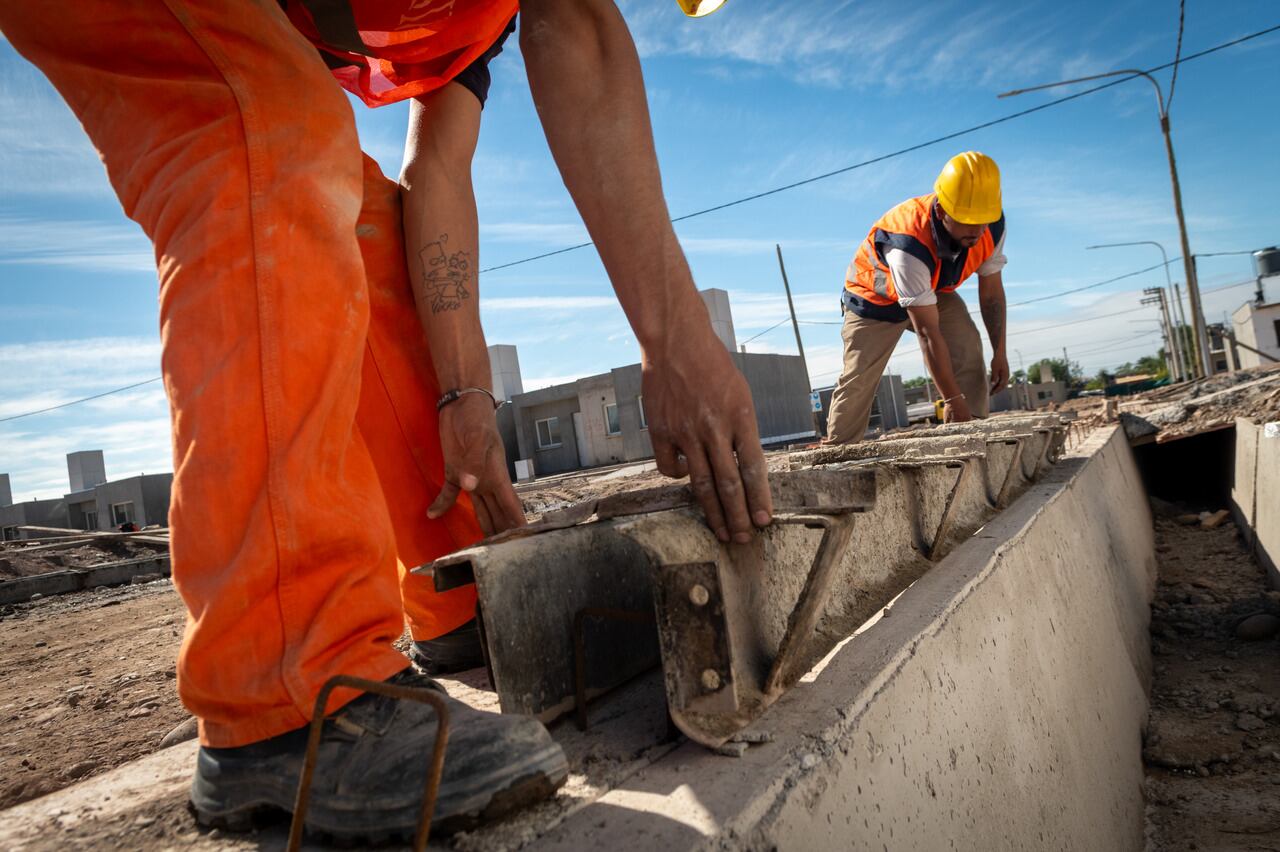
{"x": 1257, "y": 326}
{"x": 600, "y": 419}
{"x": 888, "y": 410}
{"x": 94, "y": 503}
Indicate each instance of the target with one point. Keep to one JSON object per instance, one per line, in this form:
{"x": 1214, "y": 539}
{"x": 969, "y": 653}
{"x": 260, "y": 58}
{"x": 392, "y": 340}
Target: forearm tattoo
{"x": 993, "y": 317}
{"x": 445, "y": 277}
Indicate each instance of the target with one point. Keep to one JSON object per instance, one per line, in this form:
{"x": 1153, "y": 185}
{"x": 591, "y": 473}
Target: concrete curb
{"x": 21, "y": 589}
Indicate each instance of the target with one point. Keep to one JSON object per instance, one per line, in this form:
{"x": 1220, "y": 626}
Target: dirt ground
{"x": 89, "y": 684}
{"x": 1212, "y": 746}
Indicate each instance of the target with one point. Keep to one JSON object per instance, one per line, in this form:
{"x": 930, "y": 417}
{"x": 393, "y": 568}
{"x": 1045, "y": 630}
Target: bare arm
{"x": 586, "y": 83}
{"x": 937, "y": 358}
{"x": 992, "y": 302}
{"x": 440, "y": 245}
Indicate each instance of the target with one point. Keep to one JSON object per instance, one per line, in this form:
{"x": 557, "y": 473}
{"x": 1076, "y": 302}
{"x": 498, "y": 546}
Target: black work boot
{"x": 371, "y": 771}
{"x": 455, "y": 651}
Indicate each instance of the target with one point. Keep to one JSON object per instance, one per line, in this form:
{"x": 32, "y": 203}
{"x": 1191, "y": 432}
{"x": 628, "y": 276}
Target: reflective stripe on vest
{"x": 909, "y": 227}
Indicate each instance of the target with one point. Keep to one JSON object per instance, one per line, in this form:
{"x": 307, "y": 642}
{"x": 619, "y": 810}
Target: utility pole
{"x": 786, "y": 285}
{"x": 1155, "y": 296}
{"x": 1200, "y": 338}
{"x": 1188, "y": 368}
{"x": 1177, "y": 341}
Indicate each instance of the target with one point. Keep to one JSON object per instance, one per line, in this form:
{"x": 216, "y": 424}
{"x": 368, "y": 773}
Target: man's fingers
{"x": 755, "y": 479}
{"x": 482, "y": 514}
{"x": 703, "y": 485}
{"x": 505, "y": 505}
{"x": 670, "y": 462}
{"x": 444, "y": 500}
{"x": 733, "y": 499}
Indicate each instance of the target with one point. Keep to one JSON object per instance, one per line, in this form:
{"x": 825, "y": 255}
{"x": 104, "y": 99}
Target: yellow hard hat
{"x": 699, "y": 8}
{"x": 969, "y": 189}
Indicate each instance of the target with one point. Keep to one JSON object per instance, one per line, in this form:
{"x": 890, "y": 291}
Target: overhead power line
{"x": 912, "y": 148}
{"x": 78, "y": 401}
{"x": 807, "y": 322}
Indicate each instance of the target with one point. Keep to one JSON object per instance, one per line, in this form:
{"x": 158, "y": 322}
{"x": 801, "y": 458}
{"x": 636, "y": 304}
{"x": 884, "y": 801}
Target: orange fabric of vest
{"x": 910, "y": 219}
{"x": 409, "y": 47}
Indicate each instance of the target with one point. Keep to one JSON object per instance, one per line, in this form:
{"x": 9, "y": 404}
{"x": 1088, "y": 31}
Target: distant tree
{"x": 1061, "y": 369}
{"x": 915, "y": 382}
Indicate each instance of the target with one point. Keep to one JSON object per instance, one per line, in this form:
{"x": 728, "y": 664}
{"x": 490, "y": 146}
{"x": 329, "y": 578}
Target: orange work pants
{"x": 305, "y": 438}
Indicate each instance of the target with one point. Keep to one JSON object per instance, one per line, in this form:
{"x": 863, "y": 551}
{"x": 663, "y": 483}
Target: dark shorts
{"x": 476, "y": 76}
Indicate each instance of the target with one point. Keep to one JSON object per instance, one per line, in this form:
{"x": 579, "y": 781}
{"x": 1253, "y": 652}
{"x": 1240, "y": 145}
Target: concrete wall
{"x": 1255, "y": 325}
{"x": 38, "y": 513}
{"x": 6, "y": 492}
{"x": 86, "y": 469}
{"x": 635, "y": 436}
{"x": 1255, "y": 492}
{"x": 717, "y": 302}
{"x": 156, "y": 490}
{"x": 504, "y": 370}
{"x": 1043, "y": 393}
{"x": 594, "y": 393}
{"x": 555, "y": 459}
{"x": 1000, "y": 706}
{"x": 780, "y": 390}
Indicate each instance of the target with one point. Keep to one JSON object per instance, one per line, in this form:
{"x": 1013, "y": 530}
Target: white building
{"x": 1257, "y": 326}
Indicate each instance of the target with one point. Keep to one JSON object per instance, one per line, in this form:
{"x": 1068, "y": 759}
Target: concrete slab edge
{"x": 885, "y": 744}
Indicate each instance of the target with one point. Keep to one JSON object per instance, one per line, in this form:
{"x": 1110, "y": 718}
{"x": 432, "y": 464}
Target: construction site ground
{"x": 93, "y": 689}
{"x": 90, "y": 681}
{"x": 1212, "y": 746}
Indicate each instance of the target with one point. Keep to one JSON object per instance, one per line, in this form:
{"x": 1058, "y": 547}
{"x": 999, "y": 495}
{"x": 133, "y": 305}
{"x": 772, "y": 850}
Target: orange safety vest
{"x": 385, "y": 51}
{"x": 912, "y": 227}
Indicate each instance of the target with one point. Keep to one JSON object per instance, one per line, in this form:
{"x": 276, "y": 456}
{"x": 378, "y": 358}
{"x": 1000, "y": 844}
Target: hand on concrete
{"x": 957, "y": 411}
{"x": 702, "y": 423}
{"x": 999, "y": 372}
{"x": 475, "y": 462}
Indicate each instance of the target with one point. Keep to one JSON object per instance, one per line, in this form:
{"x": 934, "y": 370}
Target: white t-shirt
{"x": 913, "y": 282}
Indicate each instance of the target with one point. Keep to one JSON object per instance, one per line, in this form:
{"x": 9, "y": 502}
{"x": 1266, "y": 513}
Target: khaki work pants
{"x": 869, "y": 343}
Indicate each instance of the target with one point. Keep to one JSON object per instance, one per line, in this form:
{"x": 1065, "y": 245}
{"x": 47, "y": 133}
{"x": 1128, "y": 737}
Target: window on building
{"x": 122, "y": 513}
{"x": 1042, "y": 394}
{"x": 548, "y": 433}
{"x": 1277, "y": 330}
{"x": 10, "y": 533}
{"x": 644, "y": 421}
{"x": 612, "y": 425}
{"x": 91, "y": 520}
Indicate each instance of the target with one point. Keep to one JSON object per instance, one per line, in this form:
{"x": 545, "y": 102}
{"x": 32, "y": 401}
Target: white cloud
{"x": 550, "y": 381}
{"x": 548, "y": 303}
{"x": 551, "y": 233}
{"x": 75, "y": 244}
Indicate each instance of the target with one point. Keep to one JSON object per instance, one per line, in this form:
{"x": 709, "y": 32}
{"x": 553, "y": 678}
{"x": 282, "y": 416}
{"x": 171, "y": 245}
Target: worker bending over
{"x": 333, "y": 421}
{"x": 905, "y": 275}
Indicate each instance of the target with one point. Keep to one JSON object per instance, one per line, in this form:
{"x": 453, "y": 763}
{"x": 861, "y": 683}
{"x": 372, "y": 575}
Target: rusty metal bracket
{"x": 949, "y": 510}
{"x": 721, "y": 669}
{"x": 1011, "y": 475}
{"x": 580, "y": 650}
{"x": 400, "y": 693}
{"x": 837, "y": 530}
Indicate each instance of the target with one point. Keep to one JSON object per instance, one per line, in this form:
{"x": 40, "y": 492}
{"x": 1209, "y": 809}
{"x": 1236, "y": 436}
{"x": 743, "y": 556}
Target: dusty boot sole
{"x": 456, "y": 810}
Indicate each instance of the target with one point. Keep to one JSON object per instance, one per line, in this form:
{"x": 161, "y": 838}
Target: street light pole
{"x": 1201, "y": 336}
{"x": 1176, "y": 341}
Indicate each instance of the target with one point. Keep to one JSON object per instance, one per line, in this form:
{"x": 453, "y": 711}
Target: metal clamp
{"x": 837, "y": 530}
{"x": 401, "y": 693}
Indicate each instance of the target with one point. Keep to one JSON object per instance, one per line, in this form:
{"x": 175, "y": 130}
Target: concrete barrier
{"x": 61, "y": 582}
{"x": 999, "y": 706}
{"x": 1255, "y": 492}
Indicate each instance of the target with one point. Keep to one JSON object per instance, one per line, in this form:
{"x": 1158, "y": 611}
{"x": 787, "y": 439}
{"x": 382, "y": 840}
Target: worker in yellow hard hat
{"x": 905, "y": 275}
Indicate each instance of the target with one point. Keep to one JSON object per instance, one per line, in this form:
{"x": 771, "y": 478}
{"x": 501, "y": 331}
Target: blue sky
{"x": 756, "y": 96}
